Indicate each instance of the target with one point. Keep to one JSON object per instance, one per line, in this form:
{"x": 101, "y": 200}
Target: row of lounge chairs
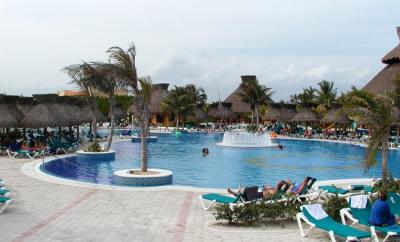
{"x": 53, "y": 146}
{"x": 5, "y": 199}
{"x": 358, "y": 212}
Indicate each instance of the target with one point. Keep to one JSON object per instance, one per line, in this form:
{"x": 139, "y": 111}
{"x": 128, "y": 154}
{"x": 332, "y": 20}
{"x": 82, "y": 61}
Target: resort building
{"x": 384, "y": 81}
{"x": 123, "y": 92}
{"x": 240, "y": 109}
{"x": 159, "y": 92}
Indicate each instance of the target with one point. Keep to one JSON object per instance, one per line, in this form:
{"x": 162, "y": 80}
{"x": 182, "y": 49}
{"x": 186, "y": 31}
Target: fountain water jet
{"x": 246, "y": 139}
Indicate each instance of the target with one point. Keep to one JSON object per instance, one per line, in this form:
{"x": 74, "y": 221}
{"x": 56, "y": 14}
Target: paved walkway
{"x": 43, "y": 211}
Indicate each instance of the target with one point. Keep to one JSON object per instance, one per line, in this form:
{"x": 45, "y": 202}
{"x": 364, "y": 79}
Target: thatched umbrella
{"x": 199, "y": 115}
{"x": 70, "y": 107}
{"x": 306, "y": 115}
{"x": 86, "y": 112}
{"x": 384, "y": 81}
{"x": 10, "y": 114}
{"x": 336, "y": 115}
{"x": 25, "y": 104}
{"x": 287, "y": 114}
{"x": 44, "y": 114}
{"x": 119, "y": 112}
{"x": 272, "y": 114}
{"x": 222, "y": 111}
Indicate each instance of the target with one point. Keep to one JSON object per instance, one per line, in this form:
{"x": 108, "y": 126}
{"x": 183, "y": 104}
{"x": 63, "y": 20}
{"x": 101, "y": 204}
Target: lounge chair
{"x": 316, "y": 217}
{"x": 361, "y": 216}
{"x": 27, "y": 153}
{"x": 308, "y": 194}
{"x": 4, "y": 202}
{"x": 249, "y": 194}
{"x": 4, "y": 193}
{"x": 345, "y": 192}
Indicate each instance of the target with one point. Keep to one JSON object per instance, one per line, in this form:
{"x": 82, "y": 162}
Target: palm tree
{"x": 376, "y": 112}
{"x": 144, "y": 116}
{"x": 326, "y": 96}
{"x": 255, "y": 94}
{"x": 85, "y": 76}
{"x": 198, "y": 95}
{"x": 180, "y": 102}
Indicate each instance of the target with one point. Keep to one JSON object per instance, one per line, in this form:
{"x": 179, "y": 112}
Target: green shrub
{"x": 275, "y": 213}
{"x": 94, "y": 147}
{"x": 333, "y": 205}
{"x": 391, "y": 185}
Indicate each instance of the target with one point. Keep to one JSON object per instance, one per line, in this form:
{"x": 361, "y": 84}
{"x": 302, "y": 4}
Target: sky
{"x": 289, "y": 45}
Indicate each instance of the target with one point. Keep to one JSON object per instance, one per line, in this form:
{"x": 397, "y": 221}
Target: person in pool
{"x": 380, "y": 213}
{"x": 205, "y": 151}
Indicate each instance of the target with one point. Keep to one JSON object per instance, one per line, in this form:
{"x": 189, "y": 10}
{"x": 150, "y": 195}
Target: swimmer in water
{"x": 205, "y": 151}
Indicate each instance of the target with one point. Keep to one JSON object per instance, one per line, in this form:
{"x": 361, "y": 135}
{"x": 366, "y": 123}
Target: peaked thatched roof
{"x": 25, "y": 104}
{"x": 393, "y": 55}
{"x": 119, "y": 112}
{"x": 287, "y": 114}
{"x": 221, "y": 110}
{"x": 159, "y": 92}
{"x": 10, "y": 115}
{"x": 199, "y": 115}
{"x": 87, "y": 114}
{"x": 396, "y": 115}
{"x": 238, "y": 106}
{"x": 335, "y": 115}
{"x": 384, "y": 81}
{"x": 44, "y": 115}
{"x": 272, "y": 114}
{"x": 306, "y": 115}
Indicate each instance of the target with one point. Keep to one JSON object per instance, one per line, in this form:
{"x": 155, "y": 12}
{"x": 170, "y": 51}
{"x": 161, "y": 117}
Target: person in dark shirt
{"x": 380, "y": 213}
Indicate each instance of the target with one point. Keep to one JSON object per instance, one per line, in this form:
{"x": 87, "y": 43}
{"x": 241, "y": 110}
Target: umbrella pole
{"x": 77, "y": 131}
{"x": 398, "y": 133}
{"x": 59, "y": 132}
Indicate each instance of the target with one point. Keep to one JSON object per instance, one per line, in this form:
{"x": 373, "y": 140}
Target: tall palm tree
{"x": 197, "y": 94}
{"x": 85, "y": 76}
{"x": 144, "y": 116}
{"x": 180, "y": 102}
{"x": 376, "y": 112}
{"x": 109, "y": 85}
{"x": 256, "y": 95}
{"x": 326, "y": 96}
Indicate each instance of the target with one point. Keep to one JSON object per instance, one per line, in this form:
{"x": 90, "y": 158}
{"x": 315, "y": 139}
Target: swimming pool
{"x": 224, "y": 166}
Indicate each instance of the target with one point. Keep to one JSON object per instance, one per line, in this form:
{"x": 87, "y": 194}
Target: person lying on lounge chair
{"x": 298, "y": 188}
{"x": 266, "y": 192}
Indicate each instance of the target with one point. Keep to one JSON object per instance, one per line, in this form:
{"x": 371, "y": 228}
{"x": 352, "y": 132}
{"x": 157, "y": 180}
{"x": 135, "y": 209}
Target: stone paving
{"x": 43, "y": 211}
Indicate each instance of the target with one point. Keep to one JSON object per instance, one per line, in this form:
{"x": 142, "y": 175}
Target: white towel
{"x": 359, "y": 201}
{"x": 316, "y": 211}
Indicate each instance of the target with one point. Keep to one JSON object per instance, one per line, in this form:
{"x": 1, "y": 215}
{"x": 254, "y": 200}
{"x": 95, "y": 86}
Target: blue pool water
{"x": 227, "y": 167}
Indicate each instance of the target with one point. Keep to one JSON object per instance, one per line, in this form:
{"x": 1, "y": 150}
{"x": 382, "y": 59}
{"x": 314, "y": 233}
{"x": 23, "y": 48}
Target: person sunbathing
{"x": 299, "y": 187}
{"x": 266, "y": 192}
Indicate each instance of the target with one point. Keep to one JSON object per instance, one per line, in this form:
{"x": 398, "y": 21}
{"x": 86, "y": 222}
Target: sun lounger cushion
{"x": 4, "y": 199}
{"x": 333, "y": 189}
{"x": 220, "y": 198}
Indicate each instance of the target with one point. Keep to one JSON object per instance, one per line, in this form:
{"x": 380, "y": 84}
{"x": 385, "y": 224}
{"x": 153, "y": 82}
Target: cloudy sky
{"x": 288, "y": 44}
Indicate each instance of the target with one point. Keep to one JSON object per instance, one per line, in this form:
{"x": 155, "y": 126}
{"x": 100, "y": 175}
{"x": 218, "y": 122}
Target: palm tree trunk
{"x": 385, "y": 141}
{"x": 257, "y": 116}
{"x": 252, "y": 117}
{"x": 112, "y": 108}
{"x": 93, "y": 107}
{"x": 177, "y": 121}
{"x": 143, "y": 154}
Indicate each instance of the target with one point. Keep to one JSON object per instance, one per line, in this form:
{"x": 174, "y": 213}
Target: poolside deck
{"x": 45, "y": 211}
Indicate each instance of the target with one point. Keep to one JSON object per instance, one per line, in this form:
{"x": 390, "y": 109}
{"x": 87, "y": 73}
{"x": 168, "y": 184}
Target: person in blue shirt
{"x": 380, "y": 212}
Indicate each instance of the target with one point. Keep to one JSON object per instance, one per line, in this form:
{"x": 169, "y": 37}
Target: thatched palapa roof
{"x": 384, "y": 81}
{"x": 199, "y": 115}
{"x": 335, "y": 115}
{"x": 272, "y": 114}
{"x": 10, "y": 114}
{"x": 238, "y": 106}
{"x": 306, "y": 115}
{"x": 221, "y": 110}
{"x": 159, "y": 92}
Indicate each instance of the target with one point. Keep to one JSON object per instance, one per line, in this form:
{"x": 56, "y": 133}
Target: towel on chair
{"x": 316, "y": 211}
{"x": 359, "y": 201}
